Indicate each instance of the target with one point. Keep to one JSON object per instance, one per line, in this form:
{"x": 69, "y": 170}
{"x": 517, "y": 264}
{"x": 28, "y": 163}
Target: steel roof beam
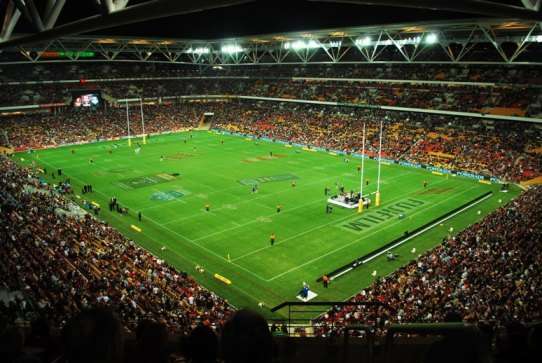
{"x": 11, "y": 17}
{"x": 478, "y": 7}
{"x": 154, "y": 9}
{"x": 532, "y": 4}
{"x": 52, "y": 13}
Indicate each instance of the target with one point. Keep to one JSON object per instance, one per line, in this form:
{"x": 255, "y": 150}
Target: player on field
{"x": 208, "y": 207}
{"x": 272, "y": 239}
{"x": 325, "y": 281}
{"x": 293, "y": 184}
{"x": 279, "y": 208}
{"x": 425, "y": 183}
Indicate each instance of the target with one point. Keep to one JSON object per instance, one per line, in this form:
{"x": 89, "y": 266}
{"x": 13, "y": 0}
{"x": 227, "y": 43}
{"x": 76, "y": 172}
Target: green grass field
{"x": 239, "y": 223}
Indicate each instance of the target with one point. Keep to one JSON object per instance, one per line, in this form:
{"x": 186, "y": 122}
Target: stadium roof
{"x": 247, "y": 32}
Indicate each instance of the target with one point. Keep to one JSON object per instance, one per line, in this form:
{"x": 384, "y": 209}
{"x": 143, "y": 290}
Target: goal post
{"x": 142, "y": 121}
{"x": 360, "y": 203}
{"x": 377, "y": 195}
{"x": 128, "y": 124}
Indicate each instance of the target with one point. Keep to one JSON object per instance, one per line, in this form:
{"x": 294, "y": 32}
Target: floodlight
{"x": 199, "y": 50}
{"x": 364, "y": 42}
{"x": 231, "y": 48}
{"x": 431, "y": 38}
{"x": 300, "y": 44}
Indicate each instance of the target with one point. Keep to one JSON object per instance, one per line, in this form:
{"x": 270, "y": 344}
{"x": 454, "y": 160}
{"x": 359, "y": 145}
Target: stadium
{"x": 250, "y": 181}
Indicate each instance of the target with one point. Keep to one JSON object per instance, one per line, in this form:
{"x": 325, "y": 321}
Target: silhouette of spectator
{"x": 202, "y": 345}
{"x": 94, "y": 336}
{"x": 246, "y": 339}
{"x": 12, "y": 342}
{"x": 458, "y": 346}
{"x": 151, "y": 343}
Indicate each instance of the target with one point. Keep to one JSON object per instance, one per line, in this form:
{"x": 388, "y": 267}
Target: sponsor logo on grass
{"x": 178, "y": 156}
{"x": 264, "y": 158}
{"x": 119, "y": 170}
{"x": 146, "y": 180}
{"x": 167, "y": 195}
{"x": 268, "y": 179}
{"x": 371, "y": 218}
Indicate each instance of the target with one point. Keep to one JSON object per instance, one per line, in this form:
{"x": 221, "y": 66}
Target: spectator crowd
{"x": 65, "y": 262}
{"x": 431, "y": 72}
{"x": 509, "y": 100}
{"x": 501, "y": 90}
{"x": 490, "y": 272}
{"x": 507, "y": 150}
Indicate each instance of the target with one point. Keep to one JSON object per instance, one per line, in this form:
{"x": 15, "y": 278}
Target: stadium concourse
{"x": 57, "y": 264}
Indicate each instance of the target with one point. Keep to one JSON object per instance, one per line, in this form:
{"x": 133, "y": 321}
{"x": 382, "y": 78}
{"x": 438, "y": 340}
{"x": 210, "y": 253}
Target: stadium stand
{"x": 517, "y": 100}
{"x": 503, "y": 149}
{"x": 70, "y": 302}
{"x": 65, "y": 270}
{"x": 489, "y": 272}
{"x": 500, "y": 90}
{"x": 502, "y": 74}
{"x": 62, "y": 263}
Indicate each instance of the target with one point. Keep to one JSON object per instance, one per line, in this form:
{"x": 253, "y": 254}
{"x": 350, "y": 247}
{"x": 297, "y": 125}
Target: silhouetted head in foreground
{"x": 246, "y": 339}
{"x": 94, "y": 336}
{"x": 202, "y": 345}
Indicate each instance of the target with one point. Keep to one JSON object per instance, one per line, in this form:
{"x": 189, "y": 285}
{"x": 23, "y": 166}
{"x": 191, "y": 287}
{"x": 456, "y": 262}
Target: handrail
{"x": 330, "y": 303}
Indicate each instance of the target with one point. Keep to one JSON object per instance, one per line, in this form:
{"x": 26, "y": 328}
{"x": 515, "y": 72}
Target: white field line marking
{"x": 128, "y": 188}
{"x": 316, "y": 228}
{"x": 357, "y": 240}
{"x": 207, "y": 186}
{"x": 214, "y": 253}
{"x": 254, "y": 221}
{"x": 416, "y": 234}
{"x": 262, "y": 196}
{"x": 191, "y": 195}
{"x": 284, "y": 212}
{"x": 185, "y": 238}
{"x": 246, "y": 200}
{"x": 208, "y": 250}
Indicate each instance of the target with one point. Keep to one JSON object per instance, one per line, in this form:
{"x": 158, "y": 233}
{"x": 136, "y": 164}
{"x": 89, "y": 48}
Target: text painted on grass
{"x": 372, "y": 218}
{"x": 268, "y": 179}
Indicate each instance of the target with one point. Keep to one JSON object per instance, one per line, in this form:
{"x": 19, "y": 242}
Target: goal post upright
{"x": 377, "y": 195}
{"x": 142, "y": 121}
{"x": 128, "y": 124}
{"x": 360, "y": 204}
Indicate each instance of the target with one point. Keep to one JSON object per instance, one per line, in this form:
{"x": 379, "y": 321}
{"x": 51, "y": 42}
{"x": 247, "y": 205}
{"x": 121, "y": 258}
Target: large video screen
{"x": 87, "y": 100}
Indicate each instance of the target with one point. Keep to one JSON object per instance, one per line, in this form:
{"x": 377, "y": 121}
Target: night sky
{"x": 262, "y": 17}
